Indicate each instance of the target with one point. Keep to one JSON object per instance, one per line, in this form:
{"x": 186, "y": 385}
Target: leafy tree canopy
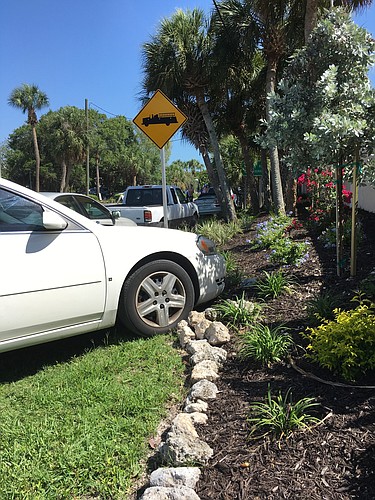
{"x": 324, "y": 106}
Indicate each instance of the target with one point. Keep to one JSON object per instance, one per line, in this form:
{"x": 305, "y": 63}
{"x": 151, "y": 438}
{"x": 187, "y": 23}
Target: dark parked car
{"x": 207, "y": 203}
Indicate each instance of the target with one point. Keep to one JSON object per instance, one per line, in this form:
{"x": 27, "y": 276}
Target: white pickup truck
{"x": 144, "y": 205}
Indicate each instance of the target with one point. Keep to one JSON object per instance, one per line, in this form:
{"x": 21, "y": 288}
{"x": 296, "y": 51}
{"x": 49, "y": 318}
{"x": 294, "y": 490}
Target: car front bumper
{"x": 211, "y": 274}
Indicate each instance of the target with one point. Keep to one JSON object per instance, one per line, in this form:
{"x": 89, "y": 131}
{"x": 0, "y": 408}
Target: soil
{"x": 332, "y": 460}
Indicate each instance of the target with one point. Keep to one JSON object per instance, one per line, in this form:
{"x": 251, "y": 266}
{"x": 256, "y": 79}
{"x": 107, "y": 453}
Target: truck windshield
{"x": 143, "y": 197}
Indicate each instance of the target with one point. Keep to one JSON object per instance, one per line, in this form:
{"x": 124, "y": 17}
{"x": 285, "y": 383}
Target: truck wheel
{"x": 156, "y": 297}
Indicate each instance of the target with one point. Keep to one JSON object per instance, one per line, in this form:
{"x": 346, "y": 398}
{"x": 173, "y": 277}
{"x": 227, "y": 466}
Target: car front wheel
{"x": 156, "y": 297}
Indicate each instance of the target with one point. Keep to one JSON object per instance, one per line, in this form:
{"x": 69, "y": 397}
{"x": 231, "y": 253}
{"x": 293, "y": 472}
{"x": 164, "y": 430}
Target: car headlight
{"x": 205, "y": 245}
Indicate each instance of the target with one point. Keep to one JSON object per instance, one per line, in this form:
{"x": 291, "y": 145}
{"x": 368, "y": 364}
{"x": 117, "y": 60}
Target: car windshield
{"x": 143, "y": 197}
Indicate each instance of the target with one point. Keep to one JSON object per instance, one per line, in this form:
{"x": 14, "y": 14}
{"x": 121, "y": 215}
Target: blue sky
{"x": 87, "y": 49}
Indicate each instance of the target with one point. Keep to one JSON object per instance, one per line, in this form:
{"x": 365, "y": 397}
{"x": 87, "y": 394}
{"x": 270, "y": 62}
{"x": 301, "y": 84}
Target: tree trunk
{"x": 311, "y": 17}
{"x": 67, "y": 177}
{"x": 227, "y": 203}
{"x": 291, "y": 193}
{"x": 251, "y": 181}
{"x": 277, "y": 189}
{"x": 37, "y": 159}
{"x": 266, "y": 181}
{"x": 63, "y": 176}
{"x": 212, "y": 175}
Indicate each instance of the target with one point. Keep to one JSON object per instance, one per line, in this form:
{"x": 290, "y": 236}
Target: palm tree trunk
{"x": 37, "y": 159}
{"x": 277, "y": 189}
{"x": 311, "y": 17}
{"x": 249, "y": 165}
{"x": 228, "y": 205}
{"x": 212, "y": 175}
{"x": 63, "y": 176}
{"x": 266, "y": 181}
{"x": 291, "y": 193}
{"x": 67, "y": 177}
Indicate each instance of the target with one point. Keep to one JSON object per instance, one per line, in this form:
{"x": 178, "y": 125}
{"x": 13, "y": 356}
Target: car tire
{"x": 147, "y": 307}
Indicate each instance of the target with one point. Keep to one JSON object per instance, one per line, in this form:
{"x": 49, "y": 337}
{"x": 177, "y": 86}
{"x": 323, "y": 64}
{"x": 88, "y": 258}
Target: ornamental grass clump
{"x": 246, "y": 220}
{"x": 264, "y": 344}
{"x": 280, "y": 416}
{"x": 219, "y": 231}
{"x": 322, "y": 307}
{"x": 345, "y": 345}
{"x": 234, "y": 274}
{"x": 239, "y": 312}
{"x": 273, "y": 284}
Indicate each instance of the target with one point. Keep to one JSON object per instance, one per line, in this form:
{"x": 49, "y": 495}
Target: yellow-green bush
{"x": 345, "y": 345}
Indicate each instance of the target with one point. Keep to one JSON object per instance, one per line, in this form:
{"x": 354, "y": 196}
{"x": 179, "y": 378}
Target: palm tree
{"x": 276, "y": 24}
{"x": 30, "y": 98}
{"x": 177, "y": 61}
{"x": 65, "y": 135}
{"x": 239, "y": 75}
{"x": 194, "y": 131}
{"x": 313, "y": 7}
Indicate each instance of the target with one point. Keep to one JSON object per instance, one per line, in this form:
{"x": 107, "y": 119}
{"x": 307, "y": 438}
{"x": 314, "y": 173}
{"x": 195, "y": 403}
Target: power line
{"x": 105, "y": 111}
{"x": 113, "y": 114}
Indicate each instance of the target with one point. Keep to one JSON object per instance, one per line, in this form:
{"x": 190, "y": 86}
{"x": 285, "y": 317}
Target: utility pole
{"x": 87, "y": 148}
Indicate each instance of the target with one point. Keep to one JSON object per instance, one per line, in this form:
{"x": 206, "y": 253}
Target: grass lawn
{"x": 81, "y": 426}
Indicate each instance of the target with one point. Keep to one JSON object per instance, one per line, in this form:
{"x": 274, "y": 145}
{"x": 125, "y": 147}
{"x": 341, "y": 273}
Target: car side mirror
{"x": 53, "y": 221}
{"x": 116, "y": 214}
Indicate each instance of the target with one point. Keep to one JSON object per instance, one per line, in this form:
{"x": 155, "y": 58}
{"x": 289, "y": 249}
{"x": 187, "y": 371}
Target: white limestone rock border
{"x": 202, "y": 337}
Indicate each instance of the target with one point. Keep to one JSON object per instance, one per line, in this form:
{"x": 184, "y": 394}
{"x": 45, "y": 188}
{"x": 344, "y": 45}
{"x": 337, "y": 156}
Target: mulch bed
{"x": 333, "y": 460}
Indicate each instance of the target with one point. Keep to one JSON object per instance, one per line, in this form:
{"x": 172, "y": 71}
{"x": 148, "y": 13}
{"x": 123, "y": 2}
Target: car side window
{"x": 93, "y": 209}
{"x": 180, "y": 195}
{"x": 69, "y": 202}
{"x": 174, "y": 196}
{"x": 18, "y": 213}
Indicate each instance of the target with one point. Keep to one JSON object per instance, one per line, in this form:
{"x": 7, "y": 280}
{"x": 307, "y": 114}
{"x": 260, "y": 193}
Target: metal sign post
{"x": 164, "y": 186}
{"x": 160, "y": 119}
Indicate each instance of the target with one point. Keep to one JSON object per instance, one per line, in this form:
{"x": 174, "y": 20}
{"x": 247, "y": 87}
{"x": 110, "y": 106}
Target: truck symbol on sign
{"x": 159, "y": 118}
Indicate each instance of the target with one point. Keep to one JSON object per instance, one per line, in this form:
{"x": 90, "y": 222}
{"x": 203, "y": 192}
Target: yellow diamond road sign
{"x": 160, "y": 119}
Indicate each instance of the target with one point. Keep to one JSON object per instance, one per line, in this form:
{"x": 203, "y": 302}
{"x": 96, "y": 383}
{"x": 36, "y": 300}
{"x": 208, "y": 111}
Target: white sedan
{"x": 90, "y": 208}
{"x": 63, "y": 275}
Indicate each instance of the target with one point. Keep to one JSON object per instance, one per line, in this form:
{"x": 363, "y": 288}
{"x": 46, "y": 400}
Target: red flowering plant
{"x": 295, "y": 224}
{"x": 320, "y": 188}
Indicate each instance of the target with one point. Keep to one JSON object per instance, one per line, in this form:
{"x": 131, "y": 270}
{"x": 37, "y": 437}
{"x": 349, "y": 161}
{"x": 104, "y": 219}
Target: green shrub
{"x": 286, "y": 252}
{"x": 270, "y": 231}
{"x": 273, "y": 284}
{"x": 239, "y": 312}
{"x": 328, "y": 235}
{"x": 345, "y": 345}
{"x": 265, "y": 345}
{"x": 280, "y": 416}
{"x": 367, "y": 286}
